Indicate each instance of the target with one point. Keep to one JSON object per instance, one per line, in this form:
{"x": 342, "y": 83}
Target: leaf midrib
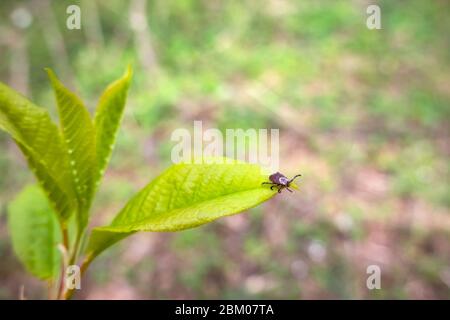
{"x": 130, "y": 228}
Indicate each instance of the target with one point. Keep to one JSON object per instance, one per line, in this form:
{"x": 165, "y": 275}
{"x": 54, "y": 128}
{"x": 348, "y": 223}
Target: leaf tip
{"x": 52, "y": 76}
{"x": 129, "y": 72}
{"x": 50, "y": 72}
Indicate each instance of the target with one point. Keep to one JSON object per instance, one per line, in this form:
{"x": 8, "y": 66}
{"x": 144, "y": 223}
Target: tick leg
{"x": 273, "y": 185}
{"x": 298, "y": 175}
{"x": 279, "y": 189}
{"x": 289, "y": 190}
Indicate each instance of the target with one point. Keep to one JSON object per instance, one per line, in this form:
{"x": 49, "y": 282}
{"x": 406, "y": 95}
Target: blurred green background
{"x": 363, "y": 115}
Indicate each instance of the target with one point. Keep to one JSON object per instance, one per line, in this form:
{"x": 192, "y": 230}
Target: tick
{"x": 279, "y": 181}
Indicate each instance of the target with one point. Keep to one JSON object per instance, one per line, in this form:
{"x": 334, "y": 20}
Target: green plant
{"x": 49, "y": 221}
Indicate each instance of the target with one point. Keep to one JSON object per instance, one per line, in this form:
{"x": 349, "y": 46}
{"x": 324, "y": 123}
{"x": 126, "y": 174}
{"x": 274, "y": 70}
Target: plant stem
{"x": 60, "y": 291}
{"x": 75, "y": 252}
{"x": 50, "y": 289}
{"x": 87, "y": 261}
{"x": 73, "y": 257}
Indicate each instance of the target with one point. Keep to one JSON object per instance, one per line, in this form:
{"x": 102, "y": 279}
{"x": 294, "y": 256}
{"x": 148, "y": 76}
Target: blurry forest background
{"x": 363, "y": 115}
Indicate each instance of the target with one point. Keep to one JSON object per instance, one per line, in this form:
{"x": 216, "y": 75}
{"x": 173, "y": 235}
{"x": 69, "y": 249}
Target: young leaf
{"x": 35, "y": 232}
{"x": 186, "y": 196}
{"x": 79, "y": 136}
{"x": 108, "y": 117}
{"x": 40, "y": 141}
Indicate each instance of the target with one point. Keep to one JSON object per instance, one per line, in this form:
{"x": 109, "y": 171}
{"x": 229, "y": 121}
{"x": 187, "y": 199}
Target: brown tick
{"x": 279, "y": 181}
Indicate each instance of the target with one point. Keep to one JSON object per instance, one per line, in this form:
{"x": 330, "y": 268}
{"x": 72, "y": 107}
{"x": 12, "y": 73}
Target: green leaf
{"x": 108, "y": 117}
{"x": 186, "y": 196}
{"x": 40, "y": 141}
{"x": 79, "y": 136}
{"x": 35, "y": 232}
